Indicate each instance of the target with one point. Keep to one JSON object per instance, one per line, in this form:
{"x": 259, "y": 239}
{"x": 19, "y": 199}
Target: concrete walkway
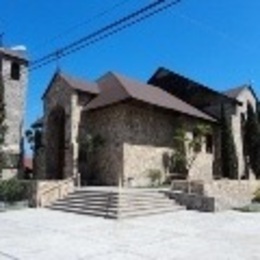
{"x": 48, "y": 235}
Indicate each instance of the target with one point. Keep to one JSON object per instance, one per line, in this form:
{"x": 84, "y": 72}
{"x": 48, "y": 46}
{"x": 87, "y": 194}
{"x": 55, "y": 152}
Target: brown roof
{"x": 75, "y": 83}
{"x": 13, "y": 53}
{"x": 194, "y": 93}
{"x": 80, "y": 84}
{"x": 115, "y": 88}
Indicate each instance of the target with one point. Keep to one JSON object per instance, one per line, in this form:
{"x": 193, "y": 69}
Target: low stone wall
{"x": 196, "y": 187}
{"x": 227, "y": 194}
{"x": 194, "y": 201}
{"x": 230, "y": 194}
{"x": 47, "y": 192}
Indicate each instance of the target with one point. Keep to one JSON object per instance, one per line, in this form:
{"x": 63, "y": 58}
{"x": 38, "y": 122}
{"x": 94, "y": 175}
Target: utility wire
{"x": 111, "y": 29}
{"x": 131, "y": 19}
{"x": 86, "y": 22}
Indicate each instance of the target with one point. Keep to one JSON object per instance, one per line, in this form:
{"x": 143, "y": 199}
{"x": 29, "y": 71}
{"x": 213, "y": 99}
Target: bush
{"x": 13, "y": 190}
{"x": 229, "y": 161}
{"x": 155, "y": 176}
{"x": 257, "y": 196}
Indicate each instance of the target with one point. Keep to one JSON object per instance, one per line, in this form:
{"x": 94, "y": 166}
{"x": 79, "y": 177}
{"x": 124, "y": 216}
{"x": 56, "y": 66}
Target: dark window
{"x": 197, "y": 142}
{"x": 209, "y": 143}
{"x": 15, "y": 71}
{"x": 243, "y": 119}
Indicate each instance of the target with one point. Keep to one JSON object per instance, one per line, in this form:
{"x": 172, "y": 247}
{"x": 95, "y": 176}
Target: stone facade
{"x": 235, "y": 113}
{"x": 15, "y": 87}
{"x": 62, "y": 99}
{"x": 136, "y": 138}
{"x": 215, "y": 195}
{"x": 245, "y": 96}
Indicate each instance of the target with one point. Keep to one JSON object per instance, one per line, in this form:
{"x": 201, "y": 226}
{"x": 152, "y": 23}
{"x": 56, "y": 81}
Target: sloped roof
{"x": 14, "y": 54}
{"x": 196, "y": 94}
{"x": 75, "y": 83}
{"x": 80, "y": 84}
{"x": 115, "y": 88}
{"x": 234, "y": 92}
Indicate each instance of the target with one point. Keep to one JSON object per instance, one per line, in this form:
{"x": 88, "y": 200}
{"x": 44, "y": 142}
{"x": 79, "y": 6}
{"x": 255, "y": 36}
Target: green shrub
{"x": 13, "y": 190}
{"x": 155, "y": 176}
{"x": 257, "y": 196}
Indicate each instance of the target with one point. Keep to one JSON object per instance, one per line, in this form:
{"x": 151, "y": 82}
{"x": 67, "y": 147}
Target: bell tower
{"x": 14, "y": 73}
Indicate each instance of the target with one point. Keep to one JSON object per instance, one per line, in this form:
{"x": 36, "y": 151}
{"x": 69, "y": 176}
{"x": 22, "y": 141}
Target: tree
{"x": 229, "y": 161}
{"x": 34, "y": 138}
{"x": 251, "y": 140}
{"x": 187, "y": 149}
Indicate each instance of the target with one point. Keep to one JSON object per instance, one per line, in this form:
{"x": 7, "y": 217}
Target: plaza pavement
{"x": 41, "y": 234}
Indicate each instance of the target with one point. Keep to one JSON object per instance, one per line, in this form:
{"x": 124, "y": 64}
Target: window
{"x": 197, "y": 142}
{"x": 242, "y": 118}
{"x": 209, "y": 143}
{"x": 15, "y": 71}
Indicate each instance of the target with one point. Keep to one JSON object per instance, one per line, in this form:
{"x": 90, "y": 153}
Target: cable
{"x": 87, "y": 22}
{"x": 146, "y": 12}
{"x": 113, "y": 28}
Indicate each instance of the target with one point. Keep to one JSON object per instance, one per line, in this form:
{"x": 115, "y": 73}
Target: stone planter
{"x": 4, "y": 206}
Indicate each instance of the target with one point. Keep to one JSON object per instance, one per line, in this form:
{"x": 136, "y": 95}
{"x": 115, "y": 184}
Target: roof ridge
{"x": 117, "y": 78}
{"x": 195, "y": 82}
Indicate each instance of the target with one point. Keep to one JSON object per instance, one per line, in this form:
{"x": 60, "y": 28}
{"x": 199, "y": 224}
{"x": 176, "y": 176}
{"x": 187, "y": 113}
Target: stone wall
{"x": 60, "y": 95}
{"x": 234, "y": 113}
{"x": 227, "y": 194}
{"x": 136, "y": 138}
{"x": 47, "y": 192}
{"x": 244, "y": 97}
{"x": 149, "y": 133}
{"x": 106, "y": 167}
{"x": 15, "y": 99}
{"x": 139, "y": 159}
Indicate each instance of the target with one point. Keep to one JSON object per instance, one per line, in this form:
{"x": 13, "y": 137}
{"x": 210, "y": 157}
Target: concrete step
{"x": 114, "y": 199}
{"x": 128, "y": 207}
{"x": 120, "y": 200}
{"x": 97, "y": 213}
{"x": 112, "y": 204}
{"x": 123, "y": 213}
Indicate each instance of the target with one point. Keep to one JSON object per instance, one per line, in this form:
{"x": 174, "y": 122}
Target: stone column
{"x": 75, "y": 120}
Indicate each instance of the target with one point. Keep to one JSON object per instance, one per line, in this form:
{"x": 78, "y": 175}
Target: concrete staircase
{"x": 114, "y": 203}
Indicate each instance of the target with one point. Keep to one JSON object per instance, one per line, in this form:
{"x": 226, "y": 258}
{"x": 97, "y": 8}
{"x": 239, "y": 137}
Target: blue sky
{"x": 214, "y": 42}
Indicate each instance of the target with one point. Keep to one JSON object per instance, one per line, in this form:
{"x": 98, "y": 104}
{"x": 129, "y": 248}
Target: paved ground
{"x": 48, "y": 235}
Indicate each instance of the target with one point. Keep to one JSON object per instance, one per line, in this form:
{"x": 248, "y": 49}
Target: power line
{"x": 105, "y": 32}
{"x": 88, "y": 21}
{"x": 109, "y": 30}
